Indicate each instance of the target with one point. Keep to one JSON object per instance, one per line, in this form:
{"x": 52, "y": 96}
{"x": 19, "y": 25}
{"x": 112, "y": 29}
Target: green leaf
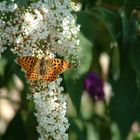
{"x": 74, "y": 78}
{"x": 134, "y": 54}
{"x": 122, "y": 108}
{"x": 100, "y": 25}
{"x": 125, "y": 29}
{"x": 79, "y": 131}
{"x": 3, "y": 63}
{"x": 115, "y": 68}
{"x": 109, "y": 19}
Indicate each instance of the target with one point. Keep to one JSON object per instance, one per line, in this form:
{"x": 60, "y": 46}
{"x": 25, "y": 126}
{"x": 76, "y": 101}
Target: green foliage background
{"x": 103, "y": 22}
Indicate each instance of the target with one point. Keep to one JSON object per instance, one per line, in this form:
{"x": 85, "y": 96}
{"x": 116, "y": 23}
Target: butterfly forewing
{"x": 27, "y": 62}
{"x": 59, "y": 65}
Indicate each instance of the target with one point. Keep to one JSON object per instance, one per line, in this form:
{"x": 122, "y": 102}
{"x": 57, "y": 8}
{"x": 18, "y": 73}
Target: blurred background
{"x": 103, "y": 93}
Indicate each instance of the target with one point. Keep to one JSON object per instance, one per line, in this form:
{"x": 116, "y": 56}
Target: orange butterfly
{"x": 43, "y": 69}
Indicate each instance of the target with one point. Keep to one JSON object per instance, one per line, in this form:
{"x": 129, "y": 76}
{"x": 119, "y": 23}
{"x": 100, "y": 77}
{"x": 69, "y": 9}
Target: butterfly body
{"x": 43, "y": 69}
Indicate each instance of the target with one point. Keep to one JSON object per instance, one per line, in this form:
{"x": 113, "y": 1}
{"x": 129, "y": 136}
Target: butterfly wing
{"x": 51, "y": 76}
{"x": 32, "y": 75}
{"x": 29, "y": 64}
{"x": 59, "y": 65}
{"x": 55, "y": 67}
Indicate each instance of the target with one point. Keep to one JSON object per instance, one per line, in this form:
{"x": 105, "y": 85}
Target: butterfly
{"x": 43, "y": 69}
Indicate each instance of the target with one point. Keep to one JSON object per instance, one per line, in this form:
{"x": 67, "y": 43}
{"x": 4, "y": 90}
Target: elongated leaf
{"x": 122, "y": 103}
{"x": 74, "y": 78}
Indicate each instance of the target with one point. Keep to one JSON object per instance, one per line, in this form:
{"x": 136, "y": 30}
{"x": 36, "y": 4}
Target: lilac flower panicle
{"x": 94, "y": 86}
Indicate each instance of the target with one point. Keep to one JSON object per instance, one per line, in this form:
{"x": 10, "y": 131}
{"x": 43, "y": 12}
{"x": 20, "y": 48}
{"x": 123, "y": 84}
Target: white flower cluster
{"x": 50, "y": 107}
{"x": 45, "y": 28}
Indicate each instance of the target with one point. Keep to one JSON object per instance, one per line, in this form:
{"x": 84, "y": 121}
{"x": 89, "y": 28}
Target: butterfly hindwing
{"x": 51, "y": 76}
{"x": 32, "y": 74}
